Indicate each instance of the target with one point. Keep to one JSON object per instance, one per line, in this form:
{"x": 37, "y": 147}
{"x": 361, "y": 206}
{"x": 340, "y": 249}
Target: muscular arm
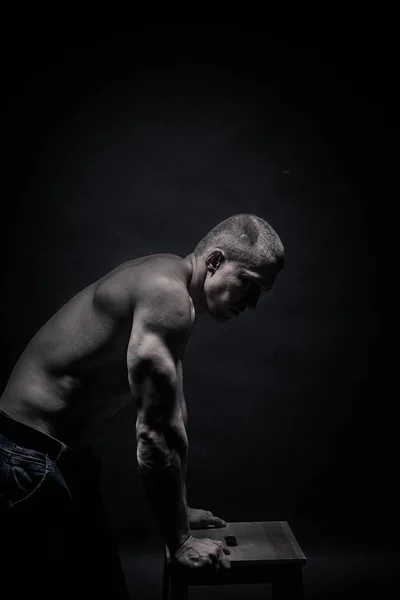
{"x": 160, "y": 331}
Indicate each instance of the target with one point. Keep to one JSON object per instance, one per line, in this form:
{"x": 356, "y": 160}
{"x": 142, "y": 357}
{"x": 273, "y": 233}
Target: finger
{"x": 214, "y": 559}
{"x": 217, "y": 522}
{"x": 223, "y": 547}
{"x": 225, "y": 562}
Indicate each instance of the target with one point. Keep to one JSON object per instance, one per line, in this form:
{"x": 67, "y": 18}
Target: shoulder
{"x": 149, "y": 286}
{"x": 162, "y": 321}
{"x": 164, "y": 304}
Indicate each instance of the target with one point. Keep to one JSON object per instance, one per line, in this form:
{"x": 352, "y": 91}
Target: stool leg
{"x": 179, "y": 589}
{"x": 290, "y": 587}
{"x": 166, "y": 581}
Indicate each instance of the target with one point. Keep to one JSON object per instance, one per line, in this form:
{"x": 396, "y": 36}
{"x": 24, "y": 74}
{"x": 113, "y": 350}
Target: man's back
{"x": 72, "y": 376}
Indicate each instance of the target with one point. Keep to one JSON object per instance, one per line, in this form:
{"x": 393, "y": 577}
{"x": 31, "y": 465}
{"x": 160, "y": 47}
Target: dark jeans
{"x": 55, "y": 539}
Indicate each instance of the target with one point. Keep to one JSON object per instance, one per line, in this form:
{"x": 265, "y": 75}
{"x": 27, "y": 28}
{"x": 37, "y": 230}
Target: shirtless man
{"x": 120, "y": 339}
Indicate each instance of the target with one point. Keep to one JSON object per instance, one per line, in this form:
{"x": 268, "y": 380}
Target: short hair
{"x": 245, "y": 238}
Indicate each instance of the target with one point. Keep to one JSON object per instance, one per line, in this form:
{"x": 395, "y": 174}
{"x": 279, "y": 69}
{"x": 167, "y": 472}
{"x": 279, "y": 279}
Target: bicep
{"x": 160, "y": 422}
{"x": 153, "y": 381}
{"x": 159, "y": 334}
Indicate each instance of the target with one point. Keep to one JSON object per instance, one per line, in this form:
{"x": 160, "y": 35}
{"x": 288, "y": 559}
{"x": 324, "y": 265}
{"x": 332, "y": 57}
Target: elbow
{"x": 153, "y": 451}
{"x": 147, "y": 381}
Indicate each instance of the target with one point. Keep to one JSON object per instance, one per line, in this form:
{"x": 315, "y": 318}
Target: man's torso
{"x": 72, "y": 376}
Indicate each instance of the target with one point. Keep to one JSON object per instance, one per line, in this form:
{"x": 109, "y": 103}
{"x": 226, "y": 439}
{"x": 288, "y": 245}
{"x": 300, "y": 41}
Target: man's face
{"x": 229, "y": 287}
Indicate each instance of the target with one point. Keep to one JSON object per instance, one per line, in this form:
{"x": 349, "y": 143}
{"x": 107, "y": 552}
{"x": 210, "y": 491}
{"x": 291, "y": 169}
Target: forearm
{"x": 162, "y": 472}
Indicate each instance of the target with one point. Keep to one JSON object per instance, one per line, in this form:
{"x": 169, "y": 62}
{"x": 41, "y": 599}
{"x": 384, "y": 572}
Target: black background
{"x": 140, "y": 142}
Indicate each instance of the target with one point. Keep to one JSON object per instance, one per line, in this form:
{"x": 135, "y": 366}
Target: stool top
{"x": 262, "y": 542}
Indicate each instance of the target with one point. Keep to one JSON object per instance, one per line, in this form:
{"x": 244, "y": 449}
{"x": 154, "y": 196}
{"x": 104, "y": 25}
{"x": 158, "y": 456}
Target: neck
{"x": 198, "y": 272}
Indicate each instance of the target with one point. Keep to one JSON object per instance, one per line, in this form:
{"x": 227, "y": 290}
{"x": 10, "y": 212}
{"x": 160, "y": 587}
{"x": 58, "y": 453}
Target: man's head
{"x": 242, "y": 257}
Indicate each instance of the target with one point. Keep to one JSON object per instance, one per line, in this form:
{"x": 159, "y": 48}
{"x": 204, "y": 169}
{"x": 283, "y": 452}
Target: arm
{"x": 159, "y": 333}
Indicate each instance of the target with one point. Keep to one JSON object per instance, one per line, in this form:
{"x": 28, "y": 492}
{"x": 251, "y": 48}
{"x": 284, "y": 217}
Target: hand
{"x": 201, "y": 519}
{"x": 200, "y": 553}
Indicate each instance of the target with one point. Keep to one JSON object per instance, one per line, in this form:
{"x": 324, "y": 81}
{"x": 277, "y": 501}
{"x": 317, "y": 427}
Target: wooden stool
{"x": 267, "y": 552}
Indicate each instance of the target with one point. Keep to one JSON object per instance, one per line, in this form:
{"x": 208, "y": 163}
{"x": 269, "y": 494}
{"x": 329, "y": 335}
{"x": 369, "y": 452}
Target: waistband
{"x": 27, "y": 436}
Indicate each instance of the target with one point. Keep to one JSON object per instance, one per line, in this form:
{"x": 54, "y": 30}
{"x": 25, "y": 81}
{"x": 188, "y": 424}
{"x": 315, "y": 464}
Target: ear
{"x": 214, "y": 260}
